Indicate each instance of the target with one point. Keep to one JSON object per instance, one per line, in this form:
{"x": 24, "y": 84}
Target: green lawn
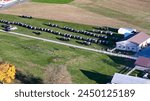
{"x": 34, "y": 56}
{"x": 53, "y": 1}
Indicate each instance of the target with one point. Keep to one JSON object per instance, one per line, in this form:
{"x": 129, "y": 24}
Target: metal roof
{"x": 143, "y": 62}
{"x": 139, "y": 38}
{"x": 126, "y": 79}
{"x": 126, "y": 30}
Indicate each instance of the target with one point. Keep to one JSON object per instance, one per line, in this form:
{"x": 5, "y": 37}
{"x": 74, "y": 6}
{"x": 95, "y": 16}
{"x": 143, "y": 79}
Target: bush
{"x": 7, "y": 73}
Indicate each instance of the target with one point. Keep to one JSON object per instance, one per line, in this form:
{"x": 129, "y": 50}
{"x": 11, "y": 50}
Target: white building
{"x": 126, "y": 79}
{"x": 126, "y": 31}
{"x": 135, "y": 43}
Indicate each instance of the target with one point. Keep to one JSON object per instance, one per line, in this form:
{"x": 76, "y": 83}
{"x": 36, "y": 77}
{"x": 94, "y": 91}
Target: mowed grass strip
{"x": 53, "y": 1}
{"x": 34, "y": 56}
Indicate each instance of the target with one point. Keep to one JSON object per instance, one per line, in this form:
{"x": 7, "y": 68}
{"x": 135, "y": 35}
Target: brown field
{"x": 91, "y": 12}
{"x": 135, "y": 12}
{"x": 61, "y": 12}
{"x": 133, "y": 7}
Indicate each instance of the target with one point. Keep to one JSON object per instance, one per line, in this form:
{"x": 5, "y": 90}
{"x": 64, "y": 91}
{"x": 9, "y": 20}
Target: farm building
{"x": 126, "y": 79}
{"x": 135, "y": 43}
{"x": 126, "y": 31}
{"x": 143, "y": 64}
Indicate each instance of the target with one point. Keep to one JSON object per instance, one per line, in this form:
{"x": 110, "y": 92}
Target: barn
{"x": 143, "y": 64}
{"x": 135, "y": 43}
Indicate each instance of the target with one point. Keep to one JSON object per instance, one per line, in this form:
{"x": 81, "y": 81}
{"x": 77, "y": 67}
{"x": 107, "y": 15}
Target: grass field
{"x": 33, "y": 57}
{"x": 135, "y": 12}
{"x": 53, "y": 1}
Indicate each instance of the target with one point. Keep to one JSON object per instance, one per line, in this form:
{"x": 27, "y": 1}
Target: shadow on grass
{"x": 124, "y": 70}
{"x": 123, "y": 61}
{"x": 98, "y": 77}
{"x": 108, "y": 28}
{"x": 28, "y": 78}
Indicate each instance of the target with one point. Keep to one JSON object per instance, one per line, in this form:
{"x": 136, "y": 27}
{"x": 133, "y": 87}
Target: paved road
{"x": 71, "y": 45}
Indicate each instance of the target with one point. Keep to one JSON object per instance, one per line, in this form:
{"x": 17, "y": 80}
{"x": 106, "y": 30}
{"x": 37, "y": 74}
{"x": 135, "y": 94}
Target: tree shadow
{"x": 28, "y": 78}
{"x": 96, "y": 76}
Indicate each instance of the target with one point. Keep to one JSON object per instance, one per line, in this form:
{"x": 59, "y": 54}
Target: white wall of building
{"x": 126, "y": 79}
{"x": 148, "y": 41}
{"x": 127, "y": 46}
{"x": 141, "y": 68}
{"x": 145, "y": 43}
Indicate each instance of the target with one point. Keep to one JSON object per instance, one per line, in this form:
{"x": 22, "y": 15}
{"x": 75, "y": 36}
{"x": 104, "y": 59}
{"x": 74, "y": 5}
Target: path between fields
{"x": 71, "y": 45}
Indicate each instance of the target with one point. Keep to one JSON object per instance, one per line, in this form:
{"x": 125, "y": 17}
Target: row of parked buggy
{"x": 37, "y": 30}
{"x": 102, "y": 33}
{"x": 85, "y": 32}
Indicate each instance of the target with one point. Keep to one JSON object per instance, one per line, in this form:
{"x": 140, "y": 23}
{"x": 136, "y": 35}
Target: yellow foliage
{"x": 7, "y": 73}
{"x": 7, "y": 80}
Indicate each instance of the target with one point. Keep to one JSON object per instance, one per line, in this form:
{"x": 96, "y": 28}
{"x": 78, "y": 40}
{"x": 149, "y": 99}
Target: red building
{"x": 143, "y": 64}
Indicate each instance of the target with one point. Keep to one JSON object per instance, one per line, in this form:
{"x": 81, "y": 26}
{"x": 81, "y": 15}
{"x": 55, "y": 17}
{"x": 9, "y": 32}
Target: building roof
{"x": 143, "y": 62}
{"x": 126, "y": 79}
{"x": 126, "y": 30}
{"x": 139, "y": 38}
{"x": 126, "y": 43}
